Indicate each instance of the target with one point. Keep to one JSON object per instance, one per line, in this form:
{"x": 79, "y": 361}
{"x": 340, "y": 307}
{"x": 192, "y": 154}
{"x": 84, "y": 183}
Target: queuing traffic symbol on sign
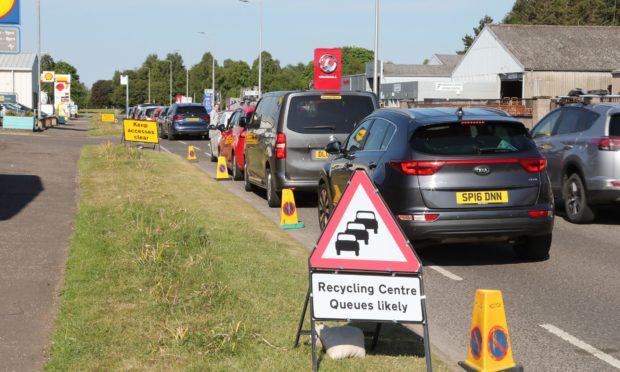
{"x": 362, "y": 234}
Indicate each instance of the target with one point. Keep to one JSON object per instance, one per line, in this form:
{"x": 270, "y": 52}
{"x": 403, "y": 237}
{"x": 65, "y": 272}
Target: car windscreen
{"x": 191, "y": 110}
{"x": 614, "y": 125}
{"x": 474, "y": 138}
{"x": 327, "y": 113}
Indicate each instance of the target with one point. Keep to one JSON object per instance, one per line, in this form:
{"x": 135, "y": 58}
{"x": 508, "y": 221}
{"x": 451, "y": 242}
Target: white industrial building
{"x": 18, "y": 78}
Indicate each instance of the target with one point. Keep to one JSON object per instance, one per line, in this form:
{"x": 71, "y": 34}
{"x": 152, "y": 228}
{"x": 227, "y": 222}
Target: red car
{"x": 232, "y": 141}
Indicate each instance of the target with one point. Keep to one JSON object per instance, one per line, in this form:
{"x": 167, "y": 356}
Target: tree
{"x": 101, "y": 94}
{"x": 354, "y": 60}
{"x": 79, "y": 91}
{"x": 468, "y": 40}
{"x": 564, "y": 12}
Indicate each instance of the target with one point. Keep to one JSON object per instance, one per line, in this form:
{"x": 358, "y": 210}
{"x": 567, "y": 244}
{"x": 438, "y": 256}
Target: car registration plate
{"x": 321, "y": 154}
{"x": 192, "y": 119}
{"x": 482, "y": 197}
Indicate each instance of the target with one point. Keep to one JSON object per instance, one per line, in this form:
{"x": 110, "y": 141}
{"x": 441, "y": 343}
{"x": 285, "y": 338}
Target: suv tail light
{"x": 608, "y": 144}
{"x": 418, "y": 168}
{"x": 280, "y": 146}
{"x": 533, "y": 165}
{"x": 207, "y": 118}
{"x": 177, "y": 117}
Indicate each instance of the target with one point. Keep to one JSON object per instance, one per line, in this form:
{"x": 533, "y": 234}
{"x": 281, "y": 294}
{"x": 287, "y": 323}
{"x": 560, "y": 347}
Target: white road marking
{"x": 197, "y": 148}
{"x": 165, "y": 149}
{"x": 582, "y": 345}
{"x": 444, "y": 272}
{"x": 183, "y": 142}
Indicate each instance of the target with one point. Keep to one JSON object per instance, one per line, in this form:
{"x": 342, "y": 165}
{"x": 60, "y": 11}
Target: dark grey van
{"x": 286, "y": 138}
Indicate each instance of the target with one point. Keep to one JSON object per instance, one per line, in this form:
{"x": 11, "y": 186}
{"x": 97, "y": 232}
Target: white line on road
{"x": 444, "y": 272}
{"x": 165, "y": 149}
{"x": 197, "y": 148}
{"x": 183, "y": 142}
{"x": 582, "y": 345}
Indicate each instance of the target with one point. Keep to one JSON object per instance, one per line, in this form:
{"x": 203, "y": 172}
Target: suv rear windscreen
{"x": 472, "y": 139}
{"x": 191, "y": 110}
{"x": 614, "y": 125}
{"x": 327, "y": 113}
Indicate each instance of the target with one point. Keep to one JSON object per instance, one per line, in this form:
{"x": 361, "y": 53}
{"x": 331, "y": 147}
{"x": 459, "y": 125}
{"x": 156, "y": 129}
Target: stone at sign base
{"x": 489, "y": 342}
{"x": 341, "y": 342}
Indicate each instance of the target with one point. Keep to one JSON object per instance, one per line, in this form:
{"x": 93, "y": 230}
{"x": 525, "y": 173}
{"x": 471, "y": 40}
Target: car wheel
{"x": 247, "y": 186}
{"x": 576, "y": 206}
{"x": 273, "y": 199}
{"x": 534, "y": 248}
{"x": 325, "y": 206}
{"x": 171, "y": 135}
{"x": 236, "y": 172}
{"x": 213, "y": 156}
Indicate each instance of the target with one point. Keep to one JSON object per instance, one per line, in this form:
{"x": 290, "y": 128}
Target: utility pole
{"x": 149, "y": 85}
{"x": 39, "y": 61}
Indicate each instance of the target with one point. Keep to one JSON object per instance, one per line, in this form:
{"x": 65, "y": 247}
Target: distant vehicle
{"x": 448, "y": 176}
{"x": 232, "y": 141}
{"x": 161, "y": 120}
{"x": 347, "y": 242}
{"x": 582, "y": 146}
{"x": 186, "y": 119}
{"x": 149, "y": 113}
{"x": 214, "y": 133}
{"x": 285, "y": 141}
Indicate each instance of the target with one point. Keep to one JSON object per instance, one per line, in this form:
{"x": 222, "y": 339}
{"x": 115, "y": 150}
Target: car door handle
{"x": 568, "y": 147}
{"x": 348, "y": 164}
{"x": 372, "y": 165}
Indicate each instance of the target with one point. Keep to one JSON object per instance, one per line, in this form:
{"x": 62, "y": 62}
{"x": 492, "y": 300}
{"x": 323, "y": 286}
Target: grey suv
{"x": 582, "y": 146}
{"x": 285, "y": 140}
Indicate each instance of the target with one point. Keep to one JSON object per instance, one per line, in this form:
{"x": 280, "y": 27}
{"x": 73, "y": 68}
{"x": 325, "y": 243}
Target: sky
{"x": 100, "y": 37}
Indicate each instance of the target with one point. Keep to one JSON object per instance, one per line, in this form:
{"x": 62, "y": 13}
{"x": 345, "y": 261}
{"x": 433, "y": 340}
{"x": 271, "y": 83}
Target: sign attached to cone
{"x": 363, "y": 267}
{"x": 489, "y": 343}
{"x": 191, "y": 153}
{"x": 288, "y": 211}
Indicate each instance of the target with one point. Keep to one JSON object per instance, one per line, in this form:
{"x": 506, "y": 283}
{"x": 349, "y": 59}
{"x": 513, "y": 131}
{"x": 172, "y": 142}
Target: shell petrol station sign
{"x": 363, "y": 267}
{"x": 62, "y": 89}
{"x": 48, "y": 76}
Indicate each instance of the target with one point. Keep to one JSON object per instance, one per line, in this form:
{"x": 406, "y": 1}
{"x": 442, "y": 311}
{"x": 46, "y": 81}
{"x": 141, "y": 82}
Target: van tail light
{"x": 177, "y": 117}
{"x": 280, "y": 146}
{"x": 608, "y": 144}
{"x": 425, "y": 217}
{"x": 539, "y": 214}
{"x": 417, "y": 168}
{"x": 533, "y": 165}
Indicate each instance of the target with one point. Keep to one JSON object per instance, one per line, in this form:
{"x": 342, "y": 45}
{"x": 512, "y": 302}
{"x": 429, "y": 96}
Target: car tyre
{"x": 236, "y": 172}
{"x": 247, "y": 186}
{"x": 576, "y": 206}
{"x": 171, "y": 135}
{"x": 273, "y": 199}
{"x": 161, "y": 133}
{"x": 533, "y": 248}
{"x": 325, "y": 207}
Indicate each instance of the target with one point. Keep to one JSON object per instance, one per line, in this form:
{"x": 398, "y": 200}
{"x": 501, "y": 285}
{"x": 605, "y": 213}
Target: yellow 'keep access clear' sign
{"x": 108, "y": 118}
{"x": 140, "y": 131}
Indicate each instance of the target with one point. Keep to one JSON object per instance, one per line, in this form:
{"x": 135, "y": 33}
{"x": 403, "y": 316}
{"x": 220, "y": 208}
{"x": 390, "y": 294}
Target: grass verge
{"x": 98, "y": 128}
{"x": 169, "y": 271}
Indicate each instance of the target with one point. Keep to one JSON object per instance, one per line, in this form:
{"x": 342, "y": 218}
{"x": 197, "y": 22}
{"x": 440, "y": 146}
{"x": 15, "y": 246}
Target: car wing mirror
{"x": 220, "y": 127}
{"x": 334, "y": 147}
{"x": 243, "y": 122}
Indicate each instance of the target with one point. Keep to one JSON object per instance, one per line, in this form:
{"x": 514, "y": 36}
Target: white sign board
{"x": 124, "y": 79}
{"x": 366, "y": 297}
{"x": 449, "y": 86}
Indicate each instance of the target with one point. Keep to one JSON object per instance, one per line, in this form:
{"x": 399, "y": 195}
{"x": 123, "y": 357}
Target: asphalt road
{"x": 563, "y": 314}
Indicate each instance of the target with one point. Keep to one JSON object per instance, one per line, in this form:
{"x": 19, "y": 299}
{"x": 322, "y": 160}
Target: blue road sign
{"x": 475, "y": 342}
{"x": 9, "y": 12}
{"x": 498, "y": 343}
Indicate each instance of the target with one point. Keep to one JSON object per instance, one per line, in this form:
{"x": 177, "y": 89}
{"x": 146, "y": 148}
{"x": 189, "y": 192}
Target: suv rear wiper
{"x": 490, "y": 150}
{"x": 332, "y": 127}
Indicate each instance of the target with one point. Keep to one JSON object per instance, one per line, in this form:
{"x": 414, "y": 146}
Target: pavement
{"x": 38, "y": 200}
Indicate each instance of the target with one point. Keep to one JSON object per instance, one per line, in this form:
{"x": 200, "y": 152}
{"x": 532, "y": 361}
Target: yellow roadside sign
{"x": 140, "y": 131}
{"x": 108, "y": 118}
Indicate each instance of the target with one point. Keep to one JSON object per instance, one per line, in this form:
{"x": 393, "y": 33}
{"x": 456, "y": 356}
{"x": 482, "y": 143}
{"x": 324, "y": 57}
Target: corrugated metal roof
{"x": 449, "y": 59}
{"x": 21, "y": 61}
{"x": 562, "y": 48}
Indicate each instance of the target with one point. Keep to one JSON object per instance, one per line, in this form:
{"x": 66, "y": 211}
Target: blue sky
{"x": 99, "y": 37}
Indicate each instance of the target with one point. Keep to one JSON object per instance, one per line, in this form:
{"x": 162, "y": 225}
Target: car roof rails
{"x": 402, "y": 111}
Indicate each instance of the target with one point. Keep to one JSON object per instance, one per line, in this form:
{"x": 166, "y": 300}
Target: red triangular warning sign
{"x": 362, "y": 234}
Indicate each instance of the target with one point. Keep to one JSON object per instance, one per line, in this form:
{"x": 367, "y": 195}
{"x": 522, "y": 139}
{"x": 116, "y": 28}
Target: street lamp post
{"x": 260, "y": 45}
{"x": 212, "y": 71}
{"x": 39, "y": 60}
{"x": 374, "y": 71}
{"x": 149, "y": 84}
{"x": 170, "y": 98}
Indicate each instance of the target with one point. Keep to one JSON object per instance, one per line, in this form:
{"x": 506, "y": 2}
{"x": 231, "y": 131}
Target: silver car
{"x": 582, "y": 146}
{"x": 215, "y": 133}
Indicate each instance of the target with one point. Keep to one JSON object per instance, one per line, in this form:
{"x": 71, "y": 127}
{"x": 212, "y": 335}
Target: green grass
{"x": 169, "y": 271}
{"x": 99, "y": 129}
